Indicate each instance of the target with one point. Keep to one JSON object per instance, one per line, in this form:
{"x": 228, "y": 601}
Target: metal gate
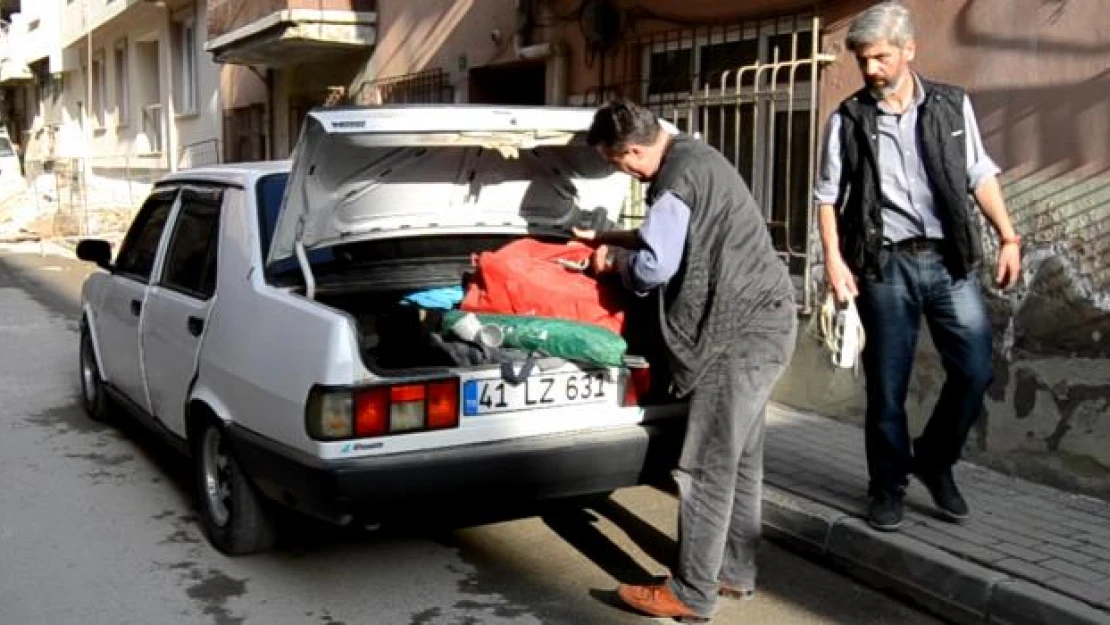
{"x": 749, "y": 90}
{"x": 427, "y": 87}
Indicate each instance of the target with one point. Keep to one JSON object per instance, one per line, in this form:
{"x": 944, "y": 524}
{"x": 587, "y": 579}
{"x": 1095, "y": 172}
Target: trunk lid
{"x": 372, "y": 173}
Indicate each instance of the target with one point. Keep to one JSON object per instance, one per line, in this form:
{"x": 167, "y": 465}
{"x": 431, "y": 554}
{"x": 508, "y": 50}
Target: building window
{"x": 747, "y": 89}
{"x": 123, "y": 87}
{"x": 186, "y": 63}
{"x": 98, "y": 105}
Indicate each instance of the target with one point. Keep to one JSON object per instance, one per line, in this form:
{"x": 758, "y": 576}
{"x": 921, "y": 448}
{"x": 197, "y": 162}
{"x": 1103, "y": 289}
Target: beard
{"x": 882, "y": 88}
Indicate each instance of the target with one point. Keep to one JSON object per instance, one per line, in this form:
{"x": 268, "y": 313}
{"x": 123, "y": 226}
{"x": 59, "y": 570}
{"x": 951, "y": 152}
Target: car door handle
{"x": 196, "y": 325}
{"x": 136, "y": 307}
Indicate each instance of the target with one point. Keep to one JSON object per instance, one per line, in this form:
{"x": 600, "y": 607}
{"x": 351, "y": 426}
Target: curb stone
{"x": 954, "y": 588}
{"x": 804, "y": 523}
{"x": 1015, "y": 602}
{"x": 951, "y": 587}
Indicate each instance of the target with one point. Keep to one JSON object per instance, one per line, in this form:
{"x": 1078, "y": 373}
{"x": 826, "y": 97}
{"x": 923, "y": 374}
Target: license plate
{"x": 481, "y": 397}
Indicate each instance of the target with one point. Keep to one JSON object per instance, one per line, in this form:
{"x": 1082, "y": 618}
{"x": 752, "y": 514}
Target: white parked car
{"x": 249, "y": 316}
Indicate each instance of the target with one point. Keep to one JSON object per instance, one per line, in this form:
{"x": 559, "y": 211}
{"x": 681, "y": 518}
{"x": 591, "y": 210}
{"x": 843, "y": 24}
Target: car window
{"x": 6, "y": 147}
{"x": 271, "y": 190}
{"x": 140, "y": 246}
{"x": 190, "y": 266}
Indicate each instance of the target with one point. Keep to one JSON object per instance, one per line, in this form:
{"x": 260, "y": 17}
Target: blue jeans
{"x": 916, "y": 284}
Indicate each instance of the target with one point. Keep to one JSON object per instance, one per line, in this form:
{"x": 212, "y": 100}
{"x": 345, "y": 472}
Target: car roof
{"x": 236, "y": 174}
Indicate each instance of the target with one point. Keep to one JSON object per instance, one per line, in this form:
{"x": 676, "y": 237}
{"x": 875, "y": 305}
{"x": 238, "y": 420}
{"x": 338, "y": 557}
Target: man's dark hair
{"x": 623, "y": 122}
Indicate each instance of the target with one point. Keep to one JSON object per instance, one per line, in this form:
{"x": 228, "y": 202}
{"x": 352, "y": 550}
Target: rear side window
{"x": 140, "y": 247}
{"x": 190, "y": 266}
{"x": 271, "y": 191}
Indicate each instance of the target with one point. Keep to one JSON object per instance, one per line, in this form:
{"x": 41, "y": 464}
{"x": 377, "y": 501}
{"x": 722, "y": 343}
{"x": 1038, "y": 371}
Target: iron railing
{"x": 199, "y": 154}
{"x": 749, "y": 90}
{"x": 427, "y": 87}
{"x": 76, "y": 197}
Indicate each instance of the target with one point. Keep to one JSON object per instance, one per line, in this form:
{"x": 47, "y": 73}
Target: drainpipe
{"x": 86, "y": 171}
{"x": 271, "y": 114}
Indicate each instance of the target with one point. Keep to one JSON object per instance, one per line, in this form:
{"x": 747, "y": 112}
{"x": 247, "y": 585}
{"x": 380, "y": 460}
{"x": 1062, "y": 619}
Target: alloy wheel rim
{"x": 217, "y": 485}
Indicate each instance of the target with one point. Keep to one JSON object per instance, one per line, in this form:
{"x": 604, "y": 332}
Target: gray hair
{"x": 889, "y": 21}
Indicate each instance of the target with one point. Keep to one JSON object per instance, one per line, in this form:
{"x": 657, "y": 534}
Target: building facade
{"x": 112, "y": 79}
{"x": 105, "y": 96}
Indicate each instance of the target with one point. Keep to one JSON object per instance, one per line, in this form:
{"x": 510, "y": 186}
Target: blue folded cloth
{"x": 445, "y": 298}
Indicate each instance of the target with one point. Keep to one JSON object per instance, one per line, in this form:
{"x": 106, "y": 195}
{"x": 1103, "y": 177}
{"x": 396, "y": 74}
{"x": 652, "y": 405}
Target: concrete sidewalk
{"x": 1029, "y": 554}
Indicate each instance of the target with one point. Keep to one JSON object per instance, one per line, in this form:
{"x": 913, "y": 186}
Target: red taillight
{"x": 443, "y": 404}
{"x": 637, "y": 386}
{"x": 381, "y": 410}
{"x": 406, "y": 394}
{"x": 371, "y": 411}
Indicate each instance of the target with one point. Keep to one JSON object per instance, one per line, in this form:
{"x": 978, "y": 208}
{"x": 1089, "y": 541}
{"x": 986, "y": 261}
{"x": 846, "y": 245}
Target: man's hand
{"x": 584, "y": 236}
{"x": 601, "y": 262}
{"x": 840, "y": 278}
{"x": 1009, "y": 264}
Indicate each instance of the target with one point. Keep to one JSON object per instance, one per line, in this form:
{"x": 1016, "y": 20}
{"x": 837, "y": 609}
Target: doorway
{"x": 514, "y": 83}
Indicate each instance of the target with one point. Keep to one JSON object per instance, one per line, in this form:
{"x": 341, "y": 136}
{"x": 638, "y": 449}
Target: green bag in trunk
{"x": 562, "y": 338}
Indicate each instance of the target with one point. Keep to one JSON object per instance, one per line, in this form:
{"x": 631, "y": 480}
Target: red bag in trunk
{"x": 525, "y": 277}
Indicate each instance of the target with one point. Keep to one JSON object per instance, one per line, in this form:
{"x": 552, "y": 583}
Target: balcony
{"x": 277, "y": 33}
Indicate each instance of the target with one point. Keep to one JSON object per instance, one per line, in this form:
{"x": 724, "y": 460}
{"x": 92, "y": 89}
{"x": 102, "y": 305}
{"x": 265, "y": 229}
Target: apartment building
{"x": 140, "y": 86}
{"x": 117, "y": 83}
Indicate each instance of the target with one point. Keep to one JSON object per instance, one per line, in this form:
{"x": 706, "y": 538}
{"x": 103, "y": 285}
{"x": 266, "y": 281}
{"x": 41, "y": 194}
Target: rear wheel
{"x": 93, "y": 396}
{"x": 236, "y": 518}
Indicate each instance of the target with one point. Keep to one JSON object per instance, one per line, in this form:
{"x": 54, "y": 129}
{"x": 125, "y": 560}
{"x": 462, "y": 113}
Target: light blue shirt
{"x": 663, "y": 241}
{"x": 908, "y": 207}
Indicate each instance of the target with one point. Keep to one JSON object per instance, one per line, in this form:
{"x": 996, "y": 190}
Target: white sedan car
{"x": 253, "y": 315}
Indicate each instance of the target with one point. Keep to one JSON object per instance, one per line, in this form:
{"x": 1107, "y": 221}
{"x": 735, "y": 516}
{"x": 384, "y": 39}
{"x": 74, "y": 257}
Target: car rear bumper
{"x": 542, "y": 467}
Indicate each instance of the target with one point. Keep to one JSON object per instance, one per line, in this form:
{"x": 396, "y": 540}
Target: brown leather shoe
{"x": 734, "y": 592}
{"x": 658, "y": 600}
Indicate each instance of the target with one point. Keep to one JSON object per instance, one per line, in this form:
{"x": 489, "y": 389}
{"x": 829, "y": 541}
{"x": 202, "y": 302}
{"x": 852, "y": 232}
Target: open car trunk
{"x": 386, "y": 201}
{"x": 400, "y": 338}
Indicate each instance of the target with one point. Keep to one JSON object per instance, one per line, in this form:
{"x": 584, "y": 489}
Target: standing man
{"x": 901, "y": 157}
{"x": 728, "y": 322}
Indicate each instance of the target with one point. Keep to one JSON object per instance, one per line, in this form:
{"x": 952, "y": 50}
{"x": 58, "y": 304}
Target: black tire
{"x": 94, "y": 397}
{"x": 237, "y": 520}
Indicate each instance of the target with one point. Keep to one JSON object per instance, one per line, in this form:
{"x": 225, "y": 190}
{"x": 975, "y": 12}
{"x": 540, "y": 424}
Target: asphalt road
{"x": 97, "y": 526}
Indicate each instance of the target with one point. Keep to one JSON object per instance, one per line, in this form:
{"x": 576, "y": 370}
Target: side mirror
{"x": 96, "y": 251}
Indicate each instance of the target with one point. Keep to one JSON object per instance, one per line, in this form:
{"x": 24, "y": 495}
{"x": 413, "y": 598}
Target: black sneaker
{"x": 885, "y": 512}
{"x": 942, "y": 486}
